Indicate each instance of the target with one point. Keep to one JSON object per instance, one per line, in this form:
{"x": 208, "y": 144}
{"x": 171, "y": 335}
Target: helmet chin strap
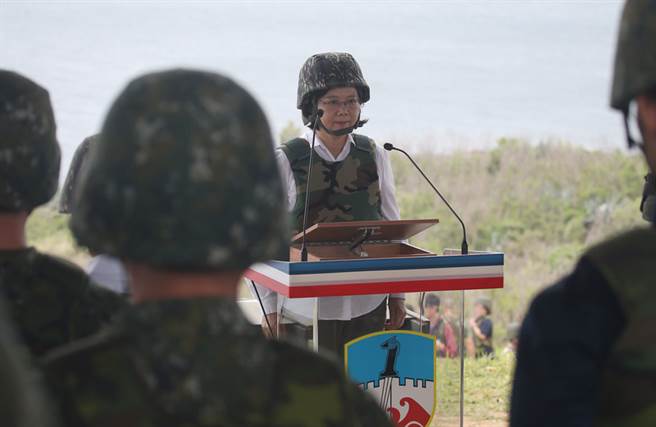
{"x": 340, "y": 132}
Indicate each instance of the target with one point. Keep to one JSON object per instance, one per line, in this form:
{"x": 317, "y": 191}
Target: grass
{"x": 487, "y": 390}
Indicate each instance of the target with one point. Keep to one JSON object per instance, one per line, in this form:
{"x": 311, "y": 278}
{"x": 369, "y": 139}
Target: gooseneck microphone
{"x": 464, "y": 248}
{"x": 317, "y": 120}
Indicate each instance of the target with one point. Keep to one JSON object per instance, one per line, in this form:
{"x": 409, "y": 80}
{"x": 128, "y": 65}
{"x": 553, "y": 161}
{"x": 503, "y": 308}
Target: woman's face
{"x": 341, "y": 108}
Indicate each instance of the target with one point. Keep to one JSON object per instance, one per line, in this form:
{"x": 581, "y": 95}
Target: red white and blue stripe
{"x": 379, "y": 276}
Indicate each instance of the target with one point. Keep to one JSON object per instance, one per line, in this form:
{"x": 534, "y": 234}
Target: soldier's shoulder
{"x": 96, "y": 359}
{"x": 639, "y": 240}
{"x": 71, "y": 279}
{"x": 105, "y": 344}
{"x": 318, "y": 385}
{"x": 57, "y": 269}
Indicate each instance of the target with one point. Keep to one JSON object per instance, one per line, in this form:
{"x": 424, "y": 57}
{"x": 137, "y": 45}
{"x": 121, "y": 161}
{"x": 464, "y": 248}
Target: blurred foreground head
{"x": 634, "y": 77}
{"x": 29, "y": 153}
{"x": 183, "y": 176}
{"x": 80, "y": 160}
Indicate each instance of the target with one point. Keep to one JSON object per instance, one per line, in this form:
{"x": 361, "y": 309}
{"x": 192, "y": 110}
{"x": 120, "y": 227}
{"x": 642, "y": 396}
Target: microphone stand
{"x": 464, "y": 250}
{"x": 317, "y": 118}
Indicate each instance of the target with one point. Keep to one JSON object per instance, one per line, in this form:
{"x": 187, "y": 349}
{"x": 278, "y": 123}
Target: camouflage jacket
{"x": 200, "y": 363}
{"x": 51, "y": 301}
{"x": 628, "y": 395}
{"x": 339, "y": 191}
{"x": 22, "y": 402}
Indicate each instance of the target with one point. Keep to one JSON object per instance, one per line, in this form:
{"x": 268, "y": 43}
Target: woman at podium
{"x": 351, "y": 180}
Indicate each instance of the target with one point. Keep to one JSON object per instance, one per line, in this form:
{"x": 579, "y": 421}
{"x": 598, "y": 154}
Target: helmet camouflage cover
{"x": 29, "y": 152}
{"x": 325, "y": 71}
{"x": 635, "y": 57}
{"x": 183, "y": 176}
{"x": 79, "y": 160}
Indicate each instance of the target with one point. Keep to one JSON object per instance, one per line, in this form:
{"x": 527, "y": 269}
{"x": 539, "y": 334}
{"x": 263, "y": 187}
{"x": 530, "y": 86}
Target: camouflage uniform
{"x": 587, "y": 354}
{"x": 51, "y": 301}
{"x": 22, "y": 401}
{"x": 184, "y": 179}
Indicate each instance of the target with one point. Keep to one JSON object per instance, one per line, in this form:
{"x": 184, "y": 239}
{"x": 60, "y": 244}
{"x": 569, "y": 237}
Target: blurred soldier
{"x": 352, "y": 180}
{"x": 648, "y": 203}
{"x": 104, "y": 270}
{"x": 512, "y": 338}
{"x": 481, "y": 329}
{"x": 440, "y": 328}
{"x": 587, "y": 348}
{"x": 183, "y": 187}
{"x": 50, "y": 300}
{"x": 22, "y": 402}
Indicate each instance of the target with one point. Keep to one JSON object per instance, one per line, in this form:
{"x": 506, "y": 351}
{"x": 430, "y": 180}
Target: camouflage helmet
{"x": 29, "y": 152}
{"x": 80, "y": 160}
{"x": 325, "y": 71}
{"x": 635, "y": 57}
{"x": 486, "y": 303}
{"x": 183, "y": 176}
{"x": 648, "y": 203}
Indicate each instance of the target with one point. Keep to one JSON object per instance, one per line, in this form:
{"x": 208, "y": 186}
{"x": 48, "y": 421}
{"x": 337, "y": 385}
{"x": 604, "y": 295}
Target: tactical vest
{"x": 628, "y": 395}
{"x": 339, "y": 191}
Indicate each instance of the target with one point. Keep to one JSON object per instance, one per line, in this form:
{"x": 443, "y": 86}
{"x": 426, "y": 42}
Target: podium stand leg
{"x": 462, "y": 357}
{"x": 315, "y": 325}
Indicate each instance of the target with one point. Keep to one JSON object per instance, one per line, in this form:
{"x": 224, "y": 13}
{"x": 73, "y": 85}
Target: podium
{"x": 374, "y": 257}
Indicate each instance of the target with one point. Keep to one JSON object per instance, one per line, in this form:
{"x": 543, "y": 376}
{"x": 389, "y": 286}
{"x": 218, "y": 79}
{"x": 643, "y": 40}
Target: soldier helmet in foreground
{"x": 635, "y": 57}
{"x": 648, "y": 203}
{"x": 324, "y": 71}
{"x": 79, "y": 161}
{"x": 183, "y": 176}
{"x": 485, "y": 303}
{"x": 29, "y": 152}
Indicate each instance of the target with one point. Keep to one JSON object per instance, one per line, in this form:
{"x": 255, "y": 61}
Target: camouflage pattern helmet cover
{"x": 325, "y": 71}
{"x": 74, "y": 170}
{"x": 183, "y": 176}
{"x": 29, "y": 152}
{"x": 635, "y": 57}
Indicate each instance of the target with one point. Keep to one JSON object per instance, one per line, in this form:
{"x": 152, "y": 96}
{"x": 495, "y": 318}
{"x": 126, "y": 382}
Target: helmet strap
{"x": 341, "y": 132}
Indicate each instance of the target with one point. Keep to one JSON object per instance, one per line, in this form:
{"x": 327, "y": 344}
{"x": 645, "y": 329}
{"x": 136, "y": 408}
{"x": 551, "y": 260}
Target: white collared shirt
{"x": 334, "y": 308}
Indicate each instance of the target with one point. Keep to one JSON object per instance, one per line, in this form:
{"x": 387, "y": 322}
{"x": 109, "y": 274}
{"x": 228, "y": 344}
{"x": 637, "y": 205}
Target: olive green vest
{"x": 628, "y": 263}
{"x": 339, "y": 191}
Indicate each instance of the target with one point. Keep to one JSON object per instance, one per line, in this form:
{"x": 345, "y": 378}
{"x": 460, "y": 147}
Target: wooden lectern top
{"x": 347, "y": 231}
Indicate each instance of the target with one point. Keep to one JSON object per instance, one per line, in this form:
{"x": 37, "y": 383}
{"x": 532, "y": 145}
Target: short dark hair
{"x": 432, "y": 300}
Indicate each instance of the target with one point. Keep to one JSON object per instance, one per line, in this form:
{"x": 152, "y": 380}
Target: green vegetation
{"x": 487, "y": 390}
{"x": 542, "y": 205}
{"x": 48, "y": 231}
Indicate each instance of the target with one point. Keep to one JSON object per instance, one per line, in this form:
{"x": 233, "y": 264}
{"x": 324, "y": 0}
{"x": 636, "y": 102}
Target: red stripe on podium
{"x": 344, "y": 289}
